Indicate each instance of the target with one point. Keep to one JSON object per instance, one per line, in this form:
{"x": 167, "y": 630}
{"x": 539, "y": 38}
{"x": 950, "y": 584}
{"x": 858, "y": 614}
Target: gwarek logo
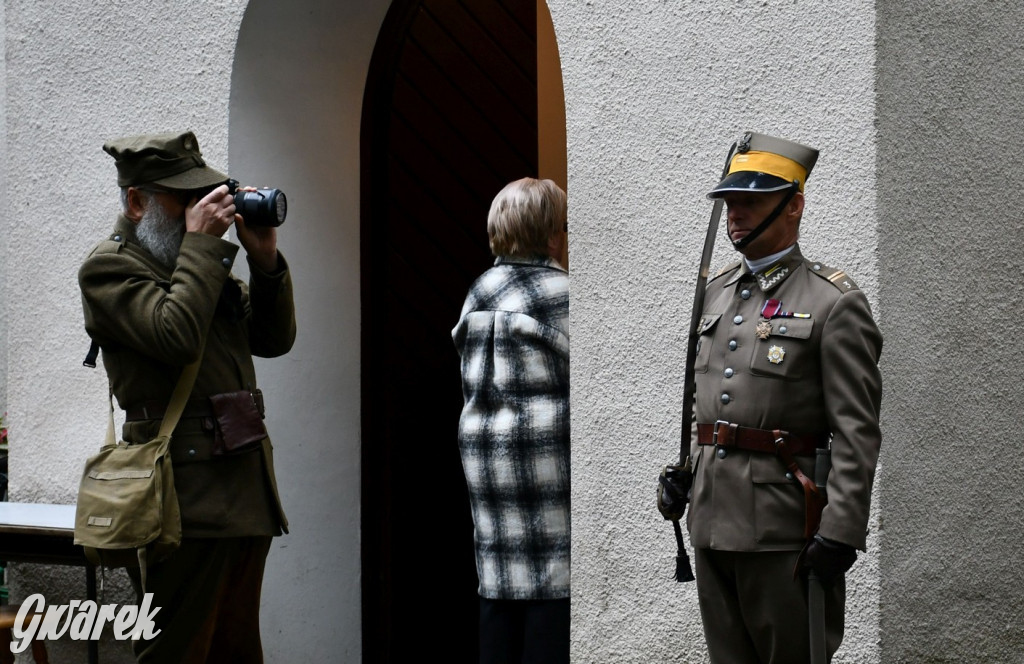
{"x": 81, "y": 621}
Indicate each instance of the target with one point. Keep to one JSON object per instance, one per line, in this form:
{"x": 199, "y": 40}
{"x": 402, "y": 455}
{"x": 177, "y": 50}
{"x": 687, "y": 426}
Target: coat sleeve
{"x": 127, "y": 303}
{"x": 272, "y": 324}
{"x": 852, "y": 384}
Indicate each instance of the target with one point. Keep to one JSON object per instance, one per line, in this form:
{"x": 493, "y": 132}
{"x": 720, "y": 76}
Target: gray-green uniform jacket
{"x": 813, "y": 375}
{"x": 150, "y": 321}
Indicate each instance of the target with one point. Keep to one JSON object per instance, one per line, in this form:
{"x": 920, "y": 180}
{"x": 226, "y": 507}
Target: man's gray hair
{"x": 524, "y": 216}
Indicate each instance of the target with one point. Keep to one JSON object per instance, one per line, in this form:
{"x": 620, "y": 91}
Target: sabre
{"x": 675, "y": 481}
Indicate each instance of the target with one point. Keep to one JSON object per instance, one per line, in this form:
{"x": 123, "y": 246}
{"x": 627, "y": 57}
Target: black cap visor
{"x": 749, "y": 181}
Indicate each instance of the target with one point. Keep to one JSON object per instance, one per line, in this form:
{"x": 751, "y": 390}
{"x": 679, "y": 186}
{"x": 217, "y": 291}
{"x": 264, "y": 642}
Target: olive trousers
{"x": 208, "y": 593}
{"x": 755, "y": 612}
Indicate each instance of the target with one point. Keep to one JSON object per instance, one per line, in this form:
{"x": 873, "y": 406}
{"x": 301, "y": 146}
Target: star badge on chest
{"x": 776, "y": 354}
{"x": 763, "y": 330}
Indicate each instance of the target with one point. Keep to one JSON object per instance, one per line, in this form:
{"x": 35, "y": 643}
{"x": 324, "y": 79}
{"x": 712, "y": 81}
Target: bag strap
{"x": 176, "y": 406}
{"x": 181, "y": 393}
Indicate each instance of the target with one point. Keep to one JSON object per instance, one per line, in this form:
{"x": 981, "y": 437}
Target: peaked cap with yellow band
{"x": 169, "y": 160}
{"x": 765, "y": 164}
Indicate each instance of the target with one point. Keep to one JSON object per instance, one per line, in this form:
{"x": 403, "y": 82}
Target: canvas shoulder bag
{"x": 127, "y": 513}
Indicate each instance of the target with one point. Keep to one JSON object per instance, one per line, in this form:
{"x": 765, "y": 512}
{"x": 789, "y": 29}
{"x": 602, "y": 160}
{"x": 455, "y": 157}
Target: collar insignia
{"x": 772, "y": 276}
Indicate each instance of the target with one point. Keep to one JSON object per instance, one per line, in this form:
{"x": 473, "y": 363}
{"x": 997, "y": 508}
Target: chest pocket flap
{"x": 787, "y": 352}
{"x": 794, "y": 328}
{"x": 706, "y": 330}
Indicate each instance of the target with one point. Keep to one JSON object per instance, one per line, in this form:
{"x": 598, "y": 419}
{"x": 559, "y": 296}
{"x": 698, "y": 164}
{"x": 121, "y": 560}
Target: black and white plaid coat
{"x": 513, "y": 337}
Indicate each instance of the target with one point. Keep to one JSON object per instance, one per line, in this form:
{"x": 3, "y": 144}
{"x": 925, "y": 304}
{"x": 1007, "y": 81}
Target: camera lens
{"x": 262, "y": 207}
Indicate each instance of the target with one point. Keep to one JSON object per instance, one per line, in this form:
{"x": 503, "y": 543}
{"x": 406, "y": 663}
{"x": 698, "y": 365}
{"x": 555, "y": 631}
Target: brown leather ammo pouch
{"x": 239, "y": 421}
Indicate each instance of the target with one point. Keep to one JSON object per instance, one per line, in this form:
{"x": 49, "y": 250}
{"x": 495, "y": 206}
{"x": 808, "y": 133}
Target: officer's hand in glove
{"x": 827, "y": 559}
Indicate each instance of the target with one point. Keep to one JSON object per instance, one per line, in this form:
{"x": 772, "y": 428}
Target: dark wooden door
{"x": 449, "y": 117}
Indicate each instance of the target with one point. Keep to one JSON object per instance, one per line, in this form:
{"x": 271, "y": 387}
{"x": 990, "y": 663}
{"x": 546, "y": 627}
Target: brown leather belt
{"x": 725, "y": 434}
{"x": 197, "y": 407}
{"x": 784, "y": 446}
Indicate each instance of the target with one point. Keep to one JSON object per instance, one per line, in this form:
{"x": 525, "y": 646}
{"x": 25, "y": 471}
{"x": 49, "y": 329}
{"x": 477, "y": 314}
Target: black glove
{"x": 674, "y": 491}
{"x": 828, "y": 559}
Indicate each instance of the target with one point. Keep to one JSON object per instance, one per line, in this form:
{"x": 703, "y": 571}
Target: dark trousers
{"x": 524, "y": 631}
{"x": 755, "y": 612}
{"x": 208, "y": 592}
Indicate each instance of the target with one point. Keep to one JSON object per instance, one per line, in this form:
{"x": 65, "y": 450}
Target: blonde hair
{"x": 523, "y": 217}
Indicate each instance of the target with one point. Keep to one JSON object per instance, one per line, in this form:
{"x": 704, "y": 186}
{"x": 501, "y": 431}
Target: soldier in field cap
{"x": 154, "y": 292}
{"x": 787, "y": 364}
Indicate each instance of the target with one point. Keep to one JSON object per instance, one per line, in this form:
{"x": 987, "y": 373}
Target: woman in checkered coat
{"x": 513, "y": 338}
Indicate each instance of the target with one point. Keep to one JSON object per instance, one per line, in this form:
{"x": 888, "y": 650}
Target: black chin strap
{"x": 754, "y": 234}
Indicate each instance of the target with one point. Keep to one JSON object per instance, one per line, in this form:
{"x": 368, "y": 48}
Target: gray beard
{"x": 160, "y": 234}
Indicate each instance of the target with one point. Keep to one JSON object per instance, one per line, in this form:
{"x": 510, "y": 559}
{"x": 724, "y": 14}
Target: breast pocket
{"x": 706, "y": 329}
{"x": 787, "y": 353}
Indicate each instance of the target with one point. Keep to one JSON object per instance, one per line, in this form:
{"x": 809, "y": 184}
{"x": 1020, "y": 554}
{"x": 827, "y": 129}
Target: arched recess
{"x": 450, "y": 116}
{"x": 296, "y": 101}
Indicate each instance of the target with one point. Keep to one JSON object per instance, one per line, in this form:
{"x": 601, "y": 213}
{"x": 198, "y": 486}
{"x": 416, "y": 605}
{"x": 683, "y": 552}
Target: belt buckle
{"x": 714, "y": 434}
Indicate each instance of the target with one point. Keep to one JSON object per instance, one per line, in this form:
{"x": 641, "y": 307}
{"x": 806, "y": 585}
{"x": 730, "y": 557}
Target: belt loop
{"x": 724, "y": 437}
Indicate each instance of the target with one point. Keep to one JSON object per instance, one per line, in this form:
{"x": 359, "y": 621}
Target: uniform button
{"x": 726, "y": 398}
{"x": 782, "y": 330}
{"x": 733, "y": 345}
{"x": 817, "y": 266}
{"x": 117, "y": 238}
{"x": 745, "y": 294}
{"x": 738, "y": 320}
{"x": 789, "y": 476}
{"x": 729, "y": 372}
{"x": 722, "y": 453}
{"x": 192, "y": 453}
{"x": 226, "y": 262}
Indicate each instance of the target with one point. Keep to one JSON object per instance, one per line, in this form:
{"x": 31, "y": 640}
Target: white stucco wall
{"x": 4, "y": 215}
{"x": 951, "y": 89}
{"x": 655, "y": 95}
{"x": 79, "y": 73}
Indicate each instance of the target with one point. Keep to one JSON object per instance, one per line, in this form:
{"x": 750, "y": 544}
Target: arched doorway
{"x": 450, "y": 116}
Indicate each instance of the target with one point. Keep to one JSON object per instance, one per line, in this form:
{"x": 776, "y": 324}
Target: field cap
{"x": 765, "y": 164}
{"x": 168, "y": 160}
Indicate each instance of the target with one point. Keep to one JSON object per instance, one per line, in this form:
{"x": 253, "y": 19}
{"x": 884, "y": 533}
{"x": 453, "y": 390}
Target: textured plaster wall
{"x": 950, "y": 90}
{"x": 81, "y": 72}
{"x": 655, "y": 93}
{"x": 4, "y": 215}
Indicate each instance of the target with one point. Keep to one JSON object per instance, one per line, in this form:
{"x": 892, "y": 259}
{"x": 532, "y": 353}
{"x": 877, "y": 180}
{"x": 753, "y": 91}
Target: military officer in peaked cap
{"x": 154, "y": 292}
{"x": 787, "y": 363}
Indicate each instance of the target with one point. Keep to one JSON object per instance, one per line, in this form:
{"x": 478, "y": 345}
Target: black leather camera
{"x": 259, "y": 207}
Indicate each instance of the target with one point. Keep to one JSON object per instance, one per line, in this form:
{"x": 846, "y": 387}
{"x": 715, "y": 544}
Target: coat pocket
{"x": 706, "y": 329}
{"x": 778, "y": 499}
{"x": 788, "y": 351}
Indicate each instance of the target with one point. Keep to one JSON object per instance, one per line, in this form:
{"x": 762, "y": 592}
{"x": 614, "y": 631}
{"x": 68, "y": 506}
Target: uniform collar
{"x": 541, "y": 261}
{"x": 124, "y": 234}
{"x": 124, "y": 230}
{"x": 773, "y": 275}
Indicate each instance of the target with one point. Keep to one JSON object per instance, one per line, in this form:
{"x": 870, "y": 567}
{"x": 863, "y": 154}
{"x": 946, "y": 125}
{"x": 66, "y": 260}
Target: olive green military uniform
{"x": 813, "y": 374}
{"x": 150, "y": 322}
